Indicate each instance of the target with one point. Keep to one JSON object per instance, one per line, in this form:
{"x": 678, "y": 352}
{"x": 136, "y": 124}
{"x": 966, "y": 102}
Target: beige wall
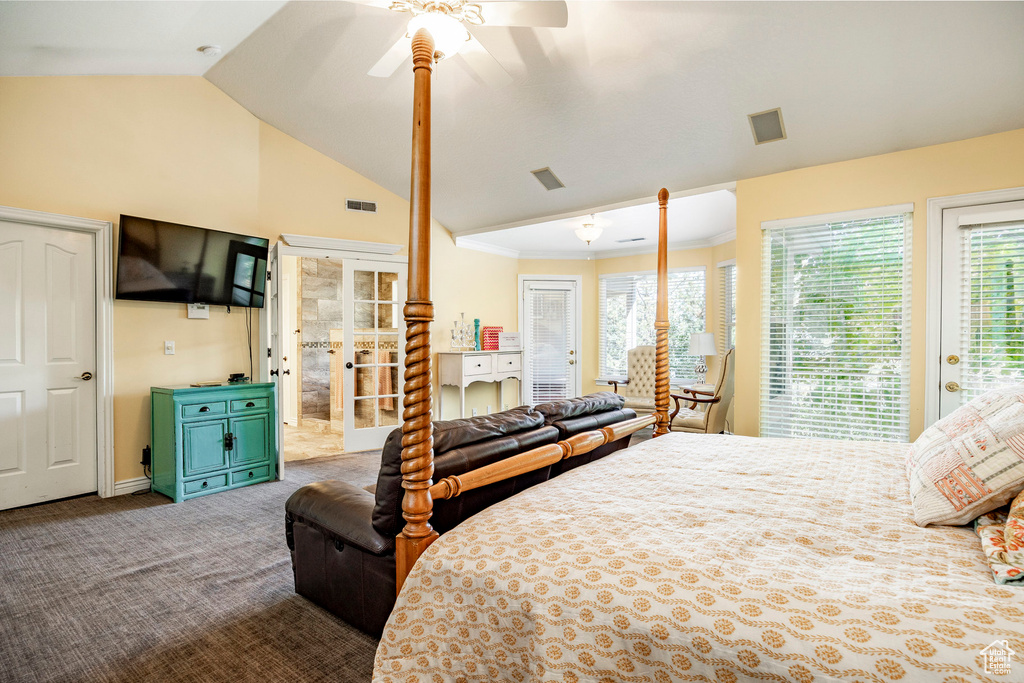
{"x": 986, "y": 163}
{"x": 178, "y": 149}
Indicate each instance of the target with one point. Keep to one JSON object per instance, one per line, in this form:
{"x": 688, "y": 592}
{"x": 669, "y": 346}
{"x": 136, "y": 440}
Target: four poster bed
{"x": 687, "y": 557}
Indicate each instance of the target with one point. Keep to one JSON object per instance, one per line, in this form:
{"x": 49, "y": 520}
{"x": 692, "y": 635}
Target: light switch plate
{"x": 168, "y": 348}
{"x": 198, "y": 311}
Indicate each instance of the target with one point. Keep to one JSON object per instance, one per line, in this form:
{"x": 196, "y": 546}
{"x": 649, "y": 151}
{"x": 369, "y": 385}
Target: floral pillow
{"x": 969, "y": 462}
{"x": 1002, "y": 539}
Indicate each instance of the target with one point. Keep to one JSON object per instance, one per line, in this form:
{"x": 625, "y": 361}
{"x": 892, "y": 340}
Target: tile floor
{"x": 302, "y": 444}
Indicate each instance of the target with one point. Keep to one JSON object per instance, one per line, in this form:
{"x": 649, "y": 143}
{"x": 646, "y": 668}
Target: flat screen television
{"x": 161, "y": 261}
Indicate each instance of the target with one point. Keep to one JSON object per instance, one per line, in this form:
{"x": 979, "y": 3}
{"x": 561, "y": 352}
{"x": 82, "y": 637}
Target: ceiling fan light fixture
{"x": 448, "y": 32}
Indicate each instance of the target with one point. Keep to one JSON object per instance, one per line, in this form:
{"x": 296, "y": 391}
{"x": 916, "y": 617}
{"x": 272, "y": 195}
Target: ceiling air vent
{"x": 767, "y": 126}
{"x": 548, "y": 179}
{"x": 630, "y": 239}
{"x": 357, "y": 205}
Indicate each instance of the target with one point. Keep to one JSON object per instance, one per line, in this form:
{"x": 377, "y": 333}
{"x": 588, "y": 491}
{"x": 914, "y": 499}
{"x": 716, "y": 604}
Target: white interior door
{"x": 274, "y": 345}
{"x": 550, "y": 340}
{"x": 373, "y": 351}
{"x": 289, "y": 331}
{"x": 48, "y": 399}
{"x": 982, "y": 323}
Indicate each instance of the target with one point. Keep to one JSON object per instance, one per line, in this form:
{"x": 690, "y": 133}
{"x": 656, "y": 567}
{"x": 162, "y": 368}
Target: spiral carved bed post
{"x": 661, "y": 322}
{"x": 417, "y": 432}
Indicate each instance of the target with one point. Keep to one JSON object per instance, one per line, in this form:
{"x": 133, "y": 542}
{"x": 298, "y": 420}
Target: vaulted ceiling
{"x": 629, "y": 97}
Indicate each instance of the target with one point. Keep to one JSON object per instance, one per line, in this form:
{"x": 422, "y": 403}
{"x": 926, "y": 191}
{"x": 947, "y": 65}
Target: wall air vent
{"x": 548, "y": 179}
{"x": 767, "y": 126}
{"x": 357, "y": 205}
{"x": 630, "y": 239}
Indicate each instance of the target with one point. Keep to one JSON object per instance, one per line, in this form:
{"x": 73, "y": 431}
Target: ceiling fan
{"x": 448, "y": 21}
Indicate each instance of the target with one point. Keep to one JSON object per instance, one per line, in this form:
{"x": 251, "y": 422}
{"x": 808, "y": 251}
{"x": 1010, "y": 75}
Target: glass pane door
{"x": 982, "y": 301}
{"x": 373, "y": 352}
{"x": 550, "y": 343}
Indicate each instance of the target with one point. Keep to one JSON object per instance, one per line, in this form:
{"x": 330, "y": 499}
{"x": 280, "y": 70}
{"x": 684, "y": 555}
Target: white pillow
{"x": 969, "y": 462}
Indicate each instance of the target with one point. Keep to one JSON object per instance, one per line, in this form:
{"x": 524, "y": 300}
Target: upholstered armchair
{"x": 710, "y": 420}
{"x": 638, "y": 387}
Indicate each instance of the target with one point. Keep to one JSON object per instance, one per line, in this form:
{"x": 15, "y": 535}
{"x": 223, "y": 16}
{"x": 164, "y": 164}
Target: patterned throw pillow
{"x": 1002, "y": 539}
{"x": 969, "y": 462}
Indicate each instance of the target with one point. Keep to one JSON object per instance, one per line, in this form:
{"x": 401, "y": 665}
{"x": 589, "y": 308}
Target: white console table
{"x": 462, "y": 368}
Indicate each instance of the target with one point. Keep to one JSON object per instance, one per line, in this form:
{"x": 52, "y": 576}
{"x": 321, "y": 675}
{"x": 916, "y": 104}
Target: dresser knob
{"x": 204, "y": 409}
{"x": 205, "y": 484}
{"x": 251, "y": 475}
{"x": 250, "y": 404}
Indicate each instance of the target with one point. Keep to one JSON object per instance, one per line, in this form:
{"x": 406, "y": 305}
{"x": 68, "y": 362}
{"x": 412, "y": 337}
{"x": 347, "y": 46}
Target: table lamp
{"x": 702, "y": 344}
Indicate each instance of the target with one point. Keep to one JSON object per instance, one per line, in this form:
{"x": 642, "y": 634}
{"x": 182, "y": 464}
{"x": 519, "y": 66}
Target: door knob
{"x": 952, "y": 359}
{"x": 571, "y": 352}
{"x": 286, "y": 372}
{"x": 348, "y": 366}
{"x": 572, "y": 362}
{"x": 85, "y": 376}
{"x": 273, "y": 372}
{"x": 952, "y": 387}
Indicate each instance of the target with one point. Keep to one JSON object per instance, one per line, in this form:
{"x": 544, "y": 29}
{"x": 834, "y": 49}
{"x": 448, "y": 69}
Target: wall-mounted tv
{"x": 161, "y": 261}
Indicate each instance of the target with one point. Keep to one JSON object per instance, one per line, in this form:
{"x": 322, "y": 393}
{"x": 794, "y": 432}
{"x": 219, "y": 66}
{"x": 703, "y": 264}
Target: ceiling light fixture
{"x": 589, "y": 232}
{"x": 209, "y": 50}
{"x": 448, "y": 32}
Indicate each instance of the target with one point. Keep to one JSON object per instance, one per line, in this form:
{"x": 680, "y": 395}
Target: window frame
{"x": 772, "y": 381}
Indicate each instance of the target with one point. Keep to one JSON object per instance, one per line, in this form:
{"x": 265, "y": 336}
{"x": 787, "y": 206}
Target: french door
{"x": 550, "y": 327}
{"x": 373, "y": 351}
{"x": 982, "y": 328}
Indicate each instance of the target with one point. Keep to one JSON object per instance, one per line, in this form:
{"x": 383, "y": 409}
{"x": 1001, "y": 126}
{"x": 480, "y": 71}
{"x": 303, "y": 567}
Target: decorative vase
{"x": 701, "y": 369}
{"x": 476, "y": 334}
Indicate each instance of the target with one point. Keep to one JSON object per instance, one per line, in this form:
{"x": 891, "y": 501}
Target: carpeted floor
{"x": 136, "y": 588}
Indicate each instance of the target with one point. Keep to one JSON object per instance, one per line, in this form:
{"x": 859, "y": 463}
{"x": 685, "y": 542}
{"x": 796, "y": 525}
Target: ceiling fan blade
{"x": 484, "y": 64}
{"x": 382, "y": 4}
{"x": 393, "y": 58}
{"x": 552, "y": 13}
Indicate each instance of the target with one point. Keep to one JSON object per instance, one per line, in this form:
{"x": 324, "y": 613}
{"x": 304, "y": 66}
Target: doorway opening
{"x": 335, "y": 329}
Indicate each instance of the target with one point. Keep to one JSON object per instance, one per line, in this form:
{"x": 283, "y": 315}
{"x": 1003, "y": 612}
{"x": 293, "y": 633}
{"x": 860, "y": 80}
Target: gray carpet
{"x": 136, "y": 588}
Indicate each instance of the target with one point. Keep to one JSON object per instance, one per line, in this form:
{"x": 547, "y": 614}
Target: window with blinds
{"x": 835, "y": 337}
{"x": 992, "y": 307}
{"x": 727, "y": 299}
{"x": 628, "y": 303}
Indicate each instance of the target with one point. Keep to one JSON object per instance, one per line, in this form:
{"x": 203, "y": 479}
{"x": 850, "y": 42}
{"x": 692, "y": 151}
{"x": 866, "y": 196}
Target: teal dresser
{"x": 210, "y": 439}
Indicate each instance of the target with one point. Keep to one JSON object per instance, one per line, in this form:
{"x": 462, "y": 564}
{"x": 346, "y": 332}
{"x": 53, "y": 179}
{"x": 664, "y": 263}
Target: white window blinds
{"x": 727, "y": 304}
{"x": 835, "y": 337}
{"x": 992, "y": 307}
{"x": 549, "y": 341}
{"x": 628, "y": 304}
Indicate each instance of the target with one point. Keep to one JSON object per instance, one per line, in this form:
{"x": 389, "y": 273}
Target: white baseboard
{"x": 131, "y": 485}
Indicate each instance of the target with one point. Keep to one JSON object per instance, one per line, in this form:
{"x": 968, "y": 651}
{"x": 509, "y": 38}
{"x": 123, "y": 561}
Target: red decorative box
{"x": 489, "y": 338}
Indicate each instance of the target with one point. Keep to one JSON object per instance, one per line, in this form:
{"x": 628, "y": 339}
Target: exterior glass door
{"x": 373, "y": 351}
{"x": 982, "y": 344}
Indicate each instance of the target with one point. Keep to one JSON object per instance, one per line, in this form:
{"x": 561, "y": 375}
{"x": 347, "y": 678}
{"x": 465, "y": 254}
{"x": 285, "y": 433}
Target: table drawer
{"x": 251, "y": 474}
{"x": 216, "y": 481}
{"x": 509, "y": 362}
{"x": 246, "y": 405}
{"x": 476, "y": 365}
{"x": 208, "y": 409}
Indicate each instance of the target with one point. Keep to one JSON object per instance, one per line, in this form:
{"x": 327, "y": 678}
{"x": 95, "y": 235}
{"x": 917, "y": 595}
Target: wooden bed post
{"x": 417, "y": 431}
{"x": 661, "y": 370}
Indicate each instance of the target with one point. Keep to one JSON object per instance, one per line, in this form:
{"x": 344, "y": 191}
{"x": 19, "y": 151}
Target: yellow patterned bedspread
{"x": 708, "y": 558}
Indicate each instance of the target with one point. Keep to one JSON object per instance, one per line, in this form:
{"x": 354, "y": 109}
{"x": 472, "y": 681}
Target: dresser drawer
{"x": 216, "y": 481}
{"x": 209, "y": 409}
{"x": 476, "y": 365}
{"x": 247, "y": 405}
{"x": 251, "y": 474}
{"x": 510, "y": 362}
